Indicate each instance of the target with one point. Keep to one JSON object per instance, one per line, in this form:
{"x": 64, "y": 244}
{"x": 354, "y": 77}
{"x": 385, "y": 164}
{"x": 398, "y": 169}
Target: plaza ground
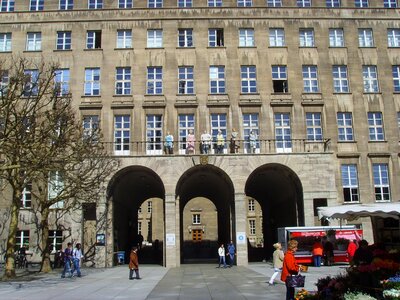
{"x": 193, "y": 282}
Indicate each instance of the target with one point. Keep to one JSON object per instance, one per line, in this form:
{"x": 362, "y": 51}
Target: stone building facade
{"x": 318, "y": 84}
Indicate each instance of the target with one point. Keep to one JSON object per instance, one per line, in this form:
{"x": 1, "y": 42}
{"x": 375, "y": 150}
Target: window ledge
{"x": 372, "y": 93}
{"x": 308, "y": 47}
{"x": 342, "y": 93}
{"x": 94, "y": 49}
{"x": 91, "y": 96}
{"x": 62, "y": 50}
{"x": 375, "y": 142}
{"x": 372, "y": 47}
{"x": 183, "y": 47}
{"x": 216, "y": 47}
{"x": 128, "y": 48}
{"x": 32, "y": 51}
{"x": 383, "y": 154}
{"x": 154, "y": 48}
{"x": 246, "y": 47}
{"x": 279, "y": 47}
{"x": 337, "y": 47}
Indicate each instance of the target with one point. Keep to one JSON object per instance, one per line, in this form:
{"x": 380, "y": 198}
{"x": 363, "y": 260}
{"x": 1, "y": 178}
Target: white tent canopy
{"x": 354, "y": 211}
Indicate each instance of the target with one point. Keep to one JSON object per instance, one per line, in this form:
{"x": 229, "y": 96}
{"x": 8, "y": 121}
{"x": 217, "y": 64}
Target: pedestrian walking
{"x": 231, "y": 253}
{"x": 277, "y": 259}
{"x": 134, "y": 264}
{"x": 351, "y": 250}
{"x": 290, "y": 267}
{"x": 221, "y": 254}
{"x": 77, "y": 259}
{"x": 67, "y": 260}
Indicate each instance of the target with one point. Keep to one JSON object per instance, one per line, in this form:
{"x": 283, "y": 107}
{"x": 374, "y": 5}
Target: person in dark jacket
{"x": 363, "y": 255}
{"x": 134, "y": 264}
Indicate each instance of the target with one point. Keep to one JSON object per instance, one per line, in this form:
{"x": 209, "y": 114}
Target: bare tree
{"x": 43, "y": 144}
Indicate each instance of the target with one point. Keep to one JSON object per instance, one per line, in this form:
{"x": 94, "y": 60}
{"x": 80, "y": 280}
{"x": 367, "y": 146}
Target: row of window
{"x": 215, "y": 38}
{"x": 55, "y": 239}
{"x": 217, "y": 80}
{"x": 250, "y": 123}
{"x": 38, "y": 5}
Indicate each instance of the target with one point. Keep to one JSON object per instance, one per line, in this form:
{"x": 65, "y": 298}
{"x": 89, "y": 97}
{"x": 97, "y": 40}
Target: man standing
{"x": 231, "y": 253}
{"x": 221, "y": 253}
{"x": 133, "y": 264}
{"x": 76, "y": 259}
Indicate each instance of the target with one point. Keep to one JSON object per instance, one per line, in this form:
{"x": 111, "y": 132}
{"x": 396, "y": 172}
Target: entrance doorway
{"x": 137, "y": 195}
{"x": 207, "y": 213}
{"x": 279, "y": 193}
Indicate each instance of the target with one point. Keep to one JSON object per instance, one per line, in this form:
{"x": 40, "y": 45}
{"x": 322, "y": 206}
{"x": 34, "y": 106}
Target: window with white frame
{"x": 336, "y": 37}
{"x": 303, "y": 3}
{"x": 63, "y": 40}
{"x": 340, "y": 79}
{"x": 396, "y": 78}
{"x": 252, "y": 227}
{"x": 149, "y": 206}
{"x": 276, "y": 37}
{"x": 248, "y": 79}
{"x": 185, "y": 124}
{"x": 36, "y": 5}
{"x": 185, "y": 80}
{"x": 250, "y": 124}
{"x": 154, "y": 85}
{"x": 26, "y": 197}
{"x": 55, "y": 240}
{"x": 251, "y": 205}
{"x": 381, "y": 182}
{"x": 375, "y": 126}
{"x": 62, "y": 78}
{"x": 31, "y": 87}
{"x": 306, "y": 36}
{"x": 246, "y": 37}
{"x": 122, "y": 134}
{"x": 389, "y": 3}
{"x": 93, "y": 39}
{"x": 124, "y": 38}
{"x": 217, "y": 79}
{"x": 55, "y": 188}
{"x": 218, "y": 122}
{"x": 350, "y": 183}
{"x": 123, "y": 81}
{"x": 185, "y": 3}
{"x": 393, "y": 36}
{"x": 274, "y": 3}
{"x": 5, "y": 41}
{"x": 21, "y": 239}
{"x": 196, "y": 219}
{"x": 244, "y": 3}
{"x": 279, "y": 79}
{"x": 95, "y": 4}
{"x": 91, "y": 127}
{"x": 154, "y": 134}
{"x": 7, "y": 5}
{"x": 125, "y": 3}
{"x": 154, "y": 38}
{"x": 310, "y": 79}
{"x": 345, "y": 126}
{"x": 139, "y": 227}
{"x": 34, "y": 41}
{"x": 370, "y": 79}
{"x": 214, "y": 3}
{"x": 185, "y": 37}
{"x": 361, "y": 3}
{"x": 66, "y": 4}
{"x": 365, "y": 37}
{"x": 154, "y": 3}
{"x": 314, "y": 126}
{"x": 398, "y": 121}
{"x": 4, "y": 82}
{"x": 283, "y": 132}
{"x": 332, "y": 3}
{"x": 92, "y": 81}
{"x": 216, "y": 37}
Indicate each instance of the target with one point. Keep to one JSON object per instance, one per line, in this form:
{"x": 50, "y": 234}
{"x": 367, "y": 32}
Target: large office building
{"x": 306, "y": 95}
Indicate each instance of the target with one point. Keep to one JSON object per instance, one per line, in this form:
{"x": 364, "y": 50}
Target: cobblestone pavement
{"x": 193, "y": 282}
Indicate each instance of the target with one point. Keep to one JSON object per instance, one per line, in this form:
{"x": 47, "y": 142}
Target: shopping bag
{"x": 295, "y": 280}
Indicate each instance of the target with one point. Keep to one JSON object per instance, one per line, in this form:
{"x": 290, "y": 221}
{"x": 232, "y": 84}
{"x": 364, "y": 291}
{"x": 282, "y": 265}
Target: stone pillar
{"x": 172, "y": 238}
{"x": 241, "y": 225}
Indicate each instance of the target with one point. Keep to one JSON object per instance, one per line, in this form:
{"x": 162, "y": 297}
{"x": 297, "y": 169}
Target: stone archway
{"x": 199, "y": 187}
{"x": 279, "y": 192}
{"x": 128, "y": 190}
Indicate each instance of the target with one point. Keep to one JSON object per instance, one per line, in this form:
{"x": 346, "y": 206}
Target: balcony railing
{"x": 240, "y": 147}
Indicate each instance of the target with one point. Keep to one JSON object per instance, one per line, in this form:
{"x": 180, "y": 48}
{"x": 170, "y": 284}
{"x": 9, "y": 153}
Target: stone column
{"x": 241, "y": 225}
{"x": 172, "y": 238}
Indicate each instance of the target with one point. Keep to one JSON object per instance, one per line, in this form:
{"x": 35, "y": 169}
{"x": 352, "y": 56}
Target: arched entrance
{"x": 207, "y": 194}
{"x": 279, "y": 192}
{"x": 137, "y": 195}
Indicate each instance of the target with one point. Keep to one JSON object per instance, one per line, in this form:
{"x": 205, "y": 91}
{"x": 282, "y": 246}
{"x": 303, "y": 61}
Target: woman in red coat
{"x": 290, "y": 267}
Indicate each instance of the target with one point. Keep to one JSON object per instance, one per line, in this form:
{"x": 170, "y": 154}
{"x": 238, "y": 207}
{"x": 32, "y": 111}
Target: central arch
{"x": 279, "y": 192}
{"x": 207, "y": 188}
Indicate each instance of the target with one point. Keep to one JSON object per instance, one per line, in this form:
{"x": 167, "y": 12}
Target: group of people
{"x": 230, "y": 253}
{"x": 72, "y": 260}
{"x": 206, "y": 141}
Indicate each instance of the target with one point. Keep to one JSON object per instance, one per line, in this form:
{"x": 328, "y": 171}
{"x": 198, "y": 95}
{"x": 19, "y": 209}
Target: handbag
{"x": 295, "y": 280}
